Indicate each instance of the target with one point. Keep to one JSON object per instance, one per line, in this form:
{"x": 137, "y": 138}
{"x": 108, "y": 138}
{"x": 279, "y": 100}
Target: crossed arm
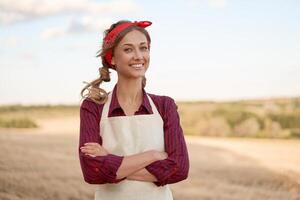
{"x": 133, "y": 166}
{"x": 100, "y": 167}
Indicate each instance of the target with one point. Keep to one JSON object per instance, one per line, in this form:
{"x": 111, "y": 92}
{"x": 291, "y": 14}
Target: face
{"x": 131, "y": 55}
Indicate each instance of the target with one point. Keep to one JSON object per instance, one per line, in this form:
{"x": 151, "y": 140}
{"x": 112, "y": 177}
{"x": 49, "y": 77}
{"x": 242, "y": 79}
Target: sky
{"x": 201, "y": 49}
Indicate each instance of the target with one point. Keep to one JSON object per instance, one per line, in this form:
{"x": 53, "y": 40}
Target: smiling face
{"x": 131, "y": 56}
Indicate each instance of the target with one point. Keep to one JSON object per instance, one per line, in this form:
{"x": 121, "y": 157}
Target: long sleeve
{"x": 99, "y": 169}
{"x": 176, "y": 167}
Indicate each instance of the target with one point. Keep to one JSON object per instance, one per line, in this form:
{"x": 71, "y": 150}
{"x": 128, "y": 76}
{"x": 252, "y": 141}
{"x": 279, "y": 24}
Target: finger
{"x": 85, "y": 151}
{"x": 91, "y": 144}
{"x": 88, "y": 148}
{"x": 96, "y": 146}
{"x": 89, "y": 154}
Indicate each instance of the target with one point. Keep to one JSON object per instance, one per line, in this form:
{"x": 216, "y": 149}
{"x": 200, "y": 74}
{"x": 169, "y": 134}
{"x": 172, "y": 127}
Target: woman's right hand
{"x": 93, "y": 149}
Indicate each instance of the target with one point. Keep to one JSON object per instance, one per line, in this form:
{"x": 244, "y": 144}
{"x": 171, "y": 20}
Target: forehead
{"x": 133, "y": 37}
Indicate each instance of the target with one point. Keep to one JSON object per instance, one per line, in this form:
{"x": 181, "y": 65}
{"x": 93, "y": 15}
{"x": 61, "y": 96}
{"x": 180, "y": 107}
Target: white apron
{"x": 127, "y": 135}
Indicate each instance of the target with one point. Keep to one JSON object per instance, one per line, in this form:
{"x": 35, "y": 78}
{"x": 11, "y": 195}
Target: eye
{"x": 127, "y": 50}
{"x": 144, "y": 48}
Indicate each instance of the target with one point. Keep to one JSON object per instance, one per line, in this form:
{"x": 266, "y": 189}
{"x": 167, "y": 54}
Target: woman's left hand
{"x": 93, "y": 149}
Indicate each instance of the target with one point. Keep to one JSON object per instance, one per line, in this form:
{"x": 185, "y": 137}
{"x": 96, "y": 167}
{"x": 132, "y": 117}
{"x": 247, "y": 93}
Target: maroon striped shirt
{"x": 102, "y": 169}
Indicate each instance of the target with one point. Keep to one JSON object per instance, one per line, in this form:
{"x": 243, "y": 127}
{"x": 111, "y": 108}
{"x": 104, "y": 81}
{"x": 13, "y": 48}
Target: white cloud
{"x": 15, "y": 11}
{"x": 217, "y": 3}
{"x": 11, "y": 41}
{"x": 28, "y": 56}
{"x": 85, "y": 24}
{"x": 89, "y": 23}
{"x": 53, "y": 32}
{"x": 9, "y": 17}
{"x": 211, "y": 3}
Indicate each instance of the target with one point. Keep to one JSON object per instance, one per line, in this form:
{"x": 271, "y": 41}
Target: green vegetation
{"x": 295, "y": 133}
{"x": 18, "y": 116}
{"x": 272, "y": 118}
{"x": 42, "y": 108}
{"x": 17, "y": 123}
{"x": 236, "y": 116}
{"x": 290, "y": 120}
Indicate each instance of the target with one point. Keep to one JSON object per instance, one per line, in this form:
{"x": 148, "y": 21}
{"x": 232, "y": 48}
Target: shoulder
{"x": 161, "y": 99}
{"x": 163, "y": 103}
{"x": 89, "y": 105}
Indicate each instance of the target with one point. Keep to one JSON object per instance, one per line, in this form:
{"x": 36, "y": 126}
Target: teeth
{"x": 137, "y": 65}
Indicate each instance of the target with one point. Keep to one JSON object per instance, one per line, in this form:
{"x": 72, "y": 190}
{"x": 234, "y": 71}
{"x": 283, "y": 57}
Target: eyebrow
{"x": 129, "y": 44}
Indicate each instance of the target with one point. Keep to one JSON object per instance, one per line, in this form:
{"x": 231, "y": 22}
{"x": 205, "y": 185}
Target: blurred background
{"x": 232, "y": 66}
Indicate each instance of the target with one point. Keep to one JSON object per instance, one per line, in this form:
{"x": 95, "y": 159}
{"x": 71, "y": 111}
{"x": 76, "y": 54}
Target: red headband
{"x": 112, "y": 35}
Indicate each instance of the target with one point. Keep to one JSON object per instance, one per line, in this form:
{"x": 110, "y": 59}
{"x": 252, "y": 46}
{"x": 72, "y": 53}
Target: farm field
{"x": 43, "y": 163}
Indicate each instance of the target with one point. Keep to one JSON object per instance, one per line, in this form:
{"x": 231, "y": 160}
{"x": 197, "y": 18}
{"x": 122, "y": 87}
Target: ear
{"x": 113, "y": 61}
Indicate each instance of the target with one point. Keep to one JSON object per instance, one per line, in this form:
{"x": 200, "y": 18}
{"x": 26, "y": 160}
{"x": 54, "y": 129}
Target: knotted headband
{"x": 112, "y": 35}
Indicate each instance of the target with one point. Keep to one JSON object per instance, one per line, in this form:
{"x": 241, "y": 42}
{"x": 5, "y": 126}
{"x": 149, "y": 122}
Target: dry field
{"x": 43, "y": 164}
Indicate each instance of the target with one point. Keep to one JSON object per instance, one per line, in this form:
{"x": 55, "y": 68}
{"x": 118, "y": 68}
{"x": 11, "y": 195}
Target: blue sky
{"x": 201, "y": 49}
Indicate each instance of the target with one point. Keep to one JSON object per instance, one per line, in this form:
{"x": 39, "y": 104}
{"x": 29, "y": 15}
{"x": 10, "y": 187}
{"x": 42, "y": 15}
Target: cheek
{"x": 121, "y": 58}
{"x": 147, "y": 56}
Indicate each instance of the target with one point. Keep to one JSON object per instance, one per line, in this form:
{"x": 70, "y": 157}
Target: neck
{"x": 129, "y": 91}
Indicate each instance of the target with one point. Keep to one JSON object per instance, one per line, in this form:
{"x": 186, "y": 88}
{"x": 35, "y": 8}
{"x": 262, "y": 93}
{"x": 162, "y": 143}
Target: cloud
{"x": 28, "y": 56}
{"x": 85, "y": 24}
{"x": 53, "y": 32}
{"x": 211, "y": 3}
{"x": 11, "y": 41}
{"x": 17, "y": 11}
{"x": 217, "y": 3}
{"x": 89, "y": 23}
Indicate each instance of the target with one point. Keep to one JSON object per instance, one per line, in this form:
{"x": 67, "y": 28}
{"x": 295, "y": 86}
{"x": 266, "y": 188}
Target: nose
{"x": 138, "y": 55}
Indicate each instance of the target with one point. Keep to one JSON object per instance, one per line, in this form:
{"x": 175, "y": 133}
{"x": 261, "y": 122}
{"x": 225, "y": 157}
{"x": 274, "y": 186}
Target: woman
{"x": 140, "y": 148}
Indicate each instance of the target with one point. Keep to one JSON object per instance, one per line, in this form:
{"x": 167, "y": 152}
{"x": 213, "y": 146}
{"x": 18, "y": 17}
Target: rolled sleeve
{"x": 162, "y": 170}
{"x": 99, "y": 169}
{"x": 176, "y": 167}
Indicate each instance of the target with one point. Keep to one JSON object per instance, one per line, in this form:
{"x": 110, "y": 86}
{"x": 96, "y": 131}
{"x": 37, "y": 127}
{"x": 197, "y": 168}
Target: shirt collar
{"x": 114, "y": 105}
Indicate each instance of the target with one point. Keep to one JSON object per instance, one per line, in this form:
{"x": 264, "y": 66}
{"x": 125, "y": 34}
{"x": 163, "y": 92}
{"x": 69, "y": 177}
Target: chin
{"x": 137, "y": 74}
{"x": 140, "y": 75}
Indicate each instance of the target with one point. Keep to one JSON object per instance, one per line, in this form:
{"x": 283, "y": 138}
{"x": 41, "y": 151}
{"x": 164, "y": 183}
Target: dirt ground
{"x": 43, "y": 164}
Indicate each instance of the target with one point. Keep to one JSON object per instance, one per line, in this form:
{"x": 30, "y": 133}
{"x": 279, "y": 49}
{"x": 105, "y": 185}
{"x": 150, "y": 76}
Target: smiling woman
{"x": 131, "y": 142}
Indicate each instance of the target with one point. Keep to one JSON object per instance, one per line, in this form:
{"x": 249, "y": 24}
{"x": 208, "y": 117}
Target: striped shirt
{"x": 102, "y": 169}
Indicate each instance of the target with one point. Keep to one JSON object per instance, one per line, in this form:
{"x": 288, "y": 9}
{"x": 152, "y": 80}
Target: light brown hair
{"x": 95, "y": 93}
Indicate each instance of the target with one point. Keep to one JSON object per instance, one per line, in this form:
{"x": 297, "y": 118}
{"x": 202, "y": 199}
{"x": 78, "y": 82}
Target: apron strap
{"x": 107, "y": 104}
{"x": 154, "y": 109}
